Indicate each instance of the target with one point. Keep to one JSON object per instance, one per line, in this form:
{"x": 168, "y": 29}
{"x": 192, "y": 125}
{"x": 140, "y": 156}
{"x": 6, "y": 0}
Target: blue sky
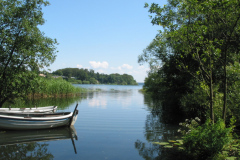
{"x": 104, "y": 35}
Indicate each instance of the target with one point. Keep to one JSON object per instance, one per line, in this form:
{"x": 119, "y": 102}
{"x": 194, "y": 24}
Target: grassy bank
{"x": 54, "y": 88}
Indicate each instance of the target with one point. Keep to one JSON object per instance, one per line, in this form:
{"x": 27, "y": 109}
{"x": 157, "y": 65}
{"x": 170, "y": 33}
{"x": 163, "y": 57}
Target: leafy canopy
{"x": 24, "y": 48}
{"x": 202, "y": 39}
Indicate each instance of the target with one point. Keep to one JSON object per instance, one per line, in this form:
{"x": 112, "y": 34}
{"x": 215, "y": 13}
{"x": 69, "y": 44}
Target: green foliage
{"x": 89, "y": 77}
{"x": 189, "y": 125}
{"x": 93, "y": 81}
{"x": 86, "y": 82}
{"x": 60, "y": 101}
{"x": 195, "y": 104}
{"x": 196, "y": 51}
{"x": 24, "y": 49}
{"x": 206, "y": 141}
{"x": 74, "y": 81}
{"x": 152, "y": 83}
{"x": 168, "y": 85}
{"x": 53, "y": 87}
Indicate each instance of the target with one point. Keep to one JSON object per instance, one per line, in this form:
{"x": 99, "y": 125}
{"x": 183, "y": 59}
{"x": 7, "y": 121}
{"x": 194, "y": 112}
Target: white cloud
{"x": 124, "y": 66}
{"x": 95, "y": 64}
{"x": 79, "y": 66}
{"x": 127, "y": 66}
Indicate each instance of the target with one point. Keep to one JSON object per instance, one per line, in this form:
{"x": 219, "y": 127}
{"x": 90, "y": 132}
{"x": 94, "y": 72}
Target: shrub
{"x": 206, "y": 141}
{"x": 85, "y": 82}
{"x": 54, "y": 87}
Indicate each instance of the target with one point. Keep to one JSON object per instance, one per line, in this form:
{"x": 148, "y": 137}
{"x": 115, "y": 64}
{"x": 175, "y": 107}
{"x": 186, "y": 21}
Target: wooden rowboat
{"x": 34, "y": 109}
{"x": 27, "y": 121}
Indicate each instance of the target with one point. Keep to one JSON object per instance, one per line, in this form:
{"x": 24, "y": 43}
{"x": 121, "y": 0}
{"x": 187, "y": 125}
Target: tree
{"x": 24, "y": 48}
{"x": 206, "y": 33}
{"x": 93, "y": 81}
{"x": 89, "y": 75}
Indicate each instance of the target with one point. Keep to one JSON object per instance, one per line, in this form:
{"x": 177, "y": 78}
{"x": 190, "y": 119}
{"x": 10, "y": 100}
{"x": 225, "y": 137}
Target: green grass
{"x": 55, "y": 87}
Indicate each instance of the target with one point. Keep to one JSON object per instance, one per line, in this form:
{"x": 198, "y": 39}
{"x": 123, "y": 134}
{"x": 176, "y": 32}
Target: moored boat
{"x": 27, "y": 121}
{"x": 33, "y": 109}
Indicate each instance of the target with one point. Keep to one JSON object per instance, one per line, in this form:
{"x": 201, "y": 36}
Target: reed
{"x": 54, "y": 88}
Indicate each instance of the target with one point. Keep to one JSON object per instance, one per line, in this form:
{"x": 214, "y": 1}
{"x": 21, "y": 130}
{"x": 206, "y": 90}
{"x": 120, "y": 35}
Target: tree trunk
{"x": 2, "y": 102}
{"x": 211, "y": 90}
{"x": 211, "y": 99}
{"x": 225, "y": 88}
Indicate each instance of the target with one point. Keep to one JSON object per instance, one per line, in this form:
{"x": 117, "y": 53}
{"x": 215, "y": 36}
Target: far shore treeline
{"x": 85, "y": 76}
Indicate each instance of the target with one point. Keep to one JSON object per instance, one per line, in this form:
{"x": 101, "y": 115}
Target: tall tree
{"x": 207, "y": 31}
{"x": 24, "y": 49}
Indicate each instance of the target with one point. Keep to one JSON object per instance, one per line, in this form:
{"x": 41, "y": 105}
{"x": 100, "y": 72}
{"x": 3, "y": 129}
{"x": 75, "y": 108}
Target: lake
{"x": 114, "y": 123}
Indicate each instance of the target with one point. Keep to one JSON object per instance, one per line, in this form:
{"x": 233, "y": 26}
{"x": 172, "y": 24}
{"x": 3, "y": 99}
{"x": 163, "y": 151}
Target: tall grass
{"x": 54, "y": 88}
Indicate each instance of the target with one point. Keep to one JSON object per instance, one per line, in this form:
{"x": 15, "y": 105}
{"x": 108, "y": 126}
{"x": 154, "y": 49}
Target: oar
{"x": 73, "y": 115}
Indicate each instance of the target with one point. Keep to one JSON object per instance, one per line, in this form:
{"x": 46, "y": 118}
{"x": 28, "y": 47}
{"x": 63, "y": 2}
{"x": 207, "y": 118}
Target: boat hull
{"x": 13, "y": 124}
{"x": 37, "y": 121}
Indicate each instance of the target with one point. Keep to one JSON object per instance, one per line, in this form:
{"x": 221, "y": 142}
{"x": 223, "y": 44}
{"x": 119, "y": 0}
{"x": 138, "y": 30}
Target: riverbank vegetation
{"x": 24, "y": 48}
{"x": 62, "y": 102}
{"x": 24, "y": 51}
{"x": 194, "y": 62}
{"x": 53, "y": 87}
{"x": 85, "y": 76}
{"x": 46, "y": 88}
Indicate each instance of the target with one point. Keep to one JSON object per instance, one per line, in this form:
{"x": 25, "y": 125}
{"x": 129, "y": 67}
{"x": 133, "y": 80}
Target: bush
{"x": 54, "y": 87}
{"x": 206, "y": 141}
{"x": 74, "y": 81}
{"x": 85, "y": 82}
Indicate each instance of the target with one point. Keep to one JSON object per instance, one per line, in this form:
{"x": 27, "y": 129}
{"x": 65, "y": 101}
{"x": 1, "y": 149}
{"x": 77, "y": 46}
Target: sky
{"x": 104, "y": 35}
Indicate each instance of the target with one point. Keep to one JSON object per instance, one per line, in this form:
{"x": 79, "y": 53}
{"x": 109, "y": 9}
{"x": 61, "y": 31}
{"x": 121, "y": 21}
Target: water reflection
{"x": 98, "y": 103}
{"x": 25, "y": 151}
{"x": 100, "y": 99}
{"x": 28, "y": 144}
{"x": 157, "y": 131}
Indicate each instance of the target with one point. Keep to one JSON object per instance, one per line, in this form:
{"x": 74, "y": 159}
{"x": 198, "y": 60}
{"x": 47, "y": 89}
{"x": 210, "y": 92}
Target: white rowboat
{"x": 27, "y": 121}
{"x": 34, "y": 109}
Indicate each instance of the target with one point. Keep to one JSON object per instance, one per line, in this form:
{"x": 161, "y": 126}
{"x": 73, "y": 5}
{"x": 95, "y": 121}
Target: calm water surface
{"x": 115, "y": 123}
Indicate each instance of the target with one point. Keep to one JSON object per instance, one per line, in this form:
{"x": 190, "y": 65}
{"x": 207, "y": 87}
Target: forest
{"x": 85, "y": 76}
